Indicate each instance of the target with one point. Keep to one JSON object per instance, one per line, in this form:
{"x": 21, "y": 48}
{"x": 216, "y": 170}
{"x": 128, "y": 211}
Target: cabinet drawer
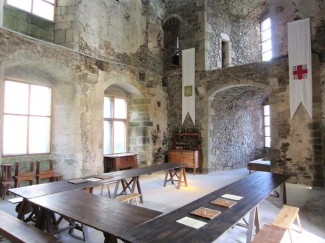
{"x": 175, "y": 157}
{"x": 126, "y": 162}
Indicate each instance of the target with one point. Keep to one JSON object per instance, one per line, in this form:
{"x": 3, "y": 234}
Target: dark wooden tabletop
{"x": 101, "y": 213}
{"x": 254, "y": 189}
{"x": 122, "y": 174}
{"x": 61, "y": 186}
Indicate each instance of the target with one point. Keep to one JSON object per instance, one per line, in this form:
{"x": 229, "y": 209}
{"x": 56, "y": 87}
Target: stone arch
{"x": 145, "y": 130}
{"x": 31, "y": 67}
{"x": 235, "y": 133}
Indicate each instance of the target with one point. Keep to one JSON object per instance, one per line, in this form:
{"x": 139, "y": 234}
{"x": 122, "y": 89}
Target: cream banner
{"x": 300, "y": 75}
{"x": 188, "y": 84}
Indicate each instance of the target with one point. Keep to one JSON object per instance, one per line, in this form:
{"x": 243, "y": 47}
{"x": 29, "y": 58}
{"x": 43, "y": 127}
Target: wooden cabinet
{"x": 189, "y": 157}
{"x": 186, "y": 149}
{"x": 187, "y": 141}
{"x": 114, "y": 162}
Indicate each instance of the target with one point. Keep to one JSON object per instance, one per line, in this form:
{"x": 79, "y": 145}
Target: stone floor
{"x": 311, "y": 202}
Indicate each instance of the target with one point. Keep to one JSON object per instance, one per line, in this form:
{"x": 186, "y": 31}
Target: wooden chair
{"x": 47, "y": 173}
{"x": 24, "y": 175}
{"x": 6, "y": 180}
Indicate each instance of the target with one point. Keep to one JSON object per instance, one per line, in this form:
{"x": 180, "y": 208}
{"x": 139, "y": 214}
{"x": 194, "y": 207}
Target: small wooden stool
{"x": 127, "y": 198}
{"x": 286, "y": 217}
{"x": 269, "y": 234}
{"x": 108, "y": 190}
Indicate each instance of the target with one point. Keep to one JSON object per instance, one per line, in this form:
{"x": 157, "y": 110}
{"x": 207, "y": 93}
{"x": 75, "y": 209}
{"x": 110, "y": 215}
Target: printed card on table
{"x": 191, "y": 222}
{"x": 232, "y": 197}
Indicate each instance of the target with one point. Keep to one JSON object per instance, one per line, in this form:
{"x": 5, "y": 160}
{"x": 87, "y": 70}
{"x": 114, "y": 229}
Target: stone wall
{"x": 192, "y": 16}
{"x": 66, "y": 33}
{"x": 237, "y": 130}
{"x": 296, "y": 146}
{"x": 130, "y": 32}
{"x": 283, "y": 12}
{"x": 239, "y": 22}
{"x": 27, "y": 23}
{"x": 78, "y": 84}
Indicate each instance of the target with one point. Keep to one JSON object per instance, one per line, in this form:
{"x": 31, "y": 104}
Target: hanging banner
{"x": 188, "y": 84}
{"x": 300, "y": 70}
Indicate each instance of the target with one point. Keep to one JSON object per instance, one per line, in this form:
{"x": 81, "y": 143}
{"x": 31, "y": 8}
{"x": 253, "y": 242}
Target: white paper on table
{"x": 232, "y": 197}
{"x": 93, "y": 179}
{"x": 191, "y": 222}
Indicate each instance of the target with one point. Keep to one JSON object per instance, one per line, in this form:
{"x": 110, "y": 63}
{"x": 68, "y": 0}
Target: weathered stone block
{"x": 59, "y": 36}
{"x": 134, "y": 124}
{"x": 69, "y": 36}
{"x": 147, "y": 124}
{"x": 142, "y": 131}
{"x": 63, "y": 26}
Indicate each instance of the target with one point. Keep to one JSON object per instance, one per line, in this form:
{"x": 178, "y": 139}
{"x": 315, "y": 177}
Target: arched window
{"x": 171, "y": 43}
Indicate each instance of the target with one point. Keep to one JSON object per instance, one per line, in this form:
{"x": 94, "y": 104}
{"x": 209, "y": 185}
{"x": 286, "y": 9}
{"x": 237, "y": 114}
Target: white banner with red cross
{"x": 300, "y": 70}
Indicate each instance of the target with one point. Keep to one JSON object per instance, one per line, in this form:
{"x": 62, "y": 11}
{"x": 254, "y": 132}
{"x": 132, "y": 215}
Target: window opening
{"x": 26, "y": 118}
{"x": 41, "y": 8}
{"x": 224, "y": 53}
{"x": 172, "y": 42}
{"x": 267, "y": 126}
{"x": 266, "y": 40}
{"x": 115, "y": 123}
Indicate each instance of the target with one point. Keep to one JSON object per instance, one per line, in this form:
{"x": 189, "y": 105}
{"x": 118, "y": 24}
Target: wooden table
{"x": 115, "y": 162}
{"x": 102, "y": 213}
{"x": 254, "y": 189}
{"x": 128, "y": 178}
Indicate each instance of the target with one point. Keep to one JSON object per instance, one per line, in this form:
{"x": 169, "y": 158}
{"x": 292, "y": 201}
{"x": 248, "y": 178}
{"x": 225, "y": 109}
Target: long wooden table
{"x": 128, "y": 178}
{"x": 102, "y": 213}
{"x": 254, "y": 189}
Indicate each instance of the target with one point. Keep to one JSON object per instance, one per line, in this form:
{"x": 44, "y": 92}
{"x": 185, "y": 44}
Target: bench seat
{"x": 269, "y": 234}
{"x": 286, "y": 217}
{"x": 18, "y": 231}
{"x": 128, "y": 197}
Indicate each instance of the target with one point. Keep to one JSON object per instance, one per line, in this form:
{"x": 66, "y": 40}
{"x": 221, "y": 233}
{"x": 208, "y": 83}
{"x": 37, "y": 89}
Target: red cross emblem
{"x": 299, "y": 72}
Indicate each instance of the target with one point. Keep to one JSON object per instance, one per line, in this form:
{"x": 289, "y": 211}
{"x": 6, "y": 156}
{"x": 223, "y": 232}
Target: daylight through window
{"x": 267, "y": 126}
{"x": 115, "y": 119}
{"x": 266, "y": 40}
{"x": 26, "y": 118}
{"x": 42, "y": 8}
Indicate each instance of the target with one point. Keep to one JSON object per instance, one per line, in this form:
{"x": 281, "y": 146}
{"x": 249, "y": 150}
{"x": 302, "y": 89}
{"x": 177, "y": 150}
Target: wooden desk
{"x": 254, "y": 189}
{"x": 114, "y": 162}
{"x": 104, "y": 214}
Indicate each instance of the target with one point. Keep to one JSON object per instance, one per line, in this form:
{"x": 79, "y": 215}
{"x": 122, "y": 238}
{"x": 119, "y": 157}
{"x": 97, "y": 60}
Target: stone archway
{"x": 235, "y": 126}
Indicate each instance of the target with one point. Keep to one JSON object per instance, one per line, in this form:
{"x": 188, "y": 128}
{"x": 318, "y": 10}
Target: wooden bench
{"x": 18, "y": 231}
{"x": 286, "y": 217}
{"x": 128, "y": 197}
{"x": 46, "y": 174}
{"x": 24, "y": 175}
{"x": 269, "y": 234}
